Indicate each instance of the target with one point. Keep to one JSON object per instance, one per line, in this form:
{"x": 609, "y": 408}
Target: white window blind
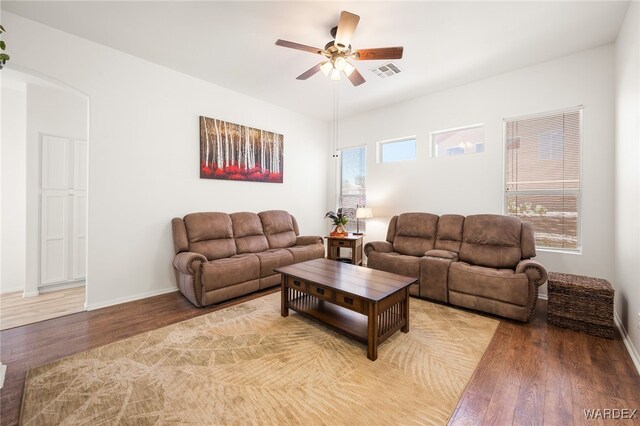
{"x": 542, "y": 176}
{"x": 352, "y": 184}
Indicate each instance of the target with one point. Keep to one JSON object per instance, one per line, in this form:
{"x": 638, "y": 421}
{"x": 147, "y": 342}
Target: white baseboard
{"x": 633, "y": 353}
{"x": 12, "y": 289}
{"x": 3, "y": 369}
{"x": 31, "y": 293}
{"x": 94, "y": 306}
{"x": 61, "y": 286}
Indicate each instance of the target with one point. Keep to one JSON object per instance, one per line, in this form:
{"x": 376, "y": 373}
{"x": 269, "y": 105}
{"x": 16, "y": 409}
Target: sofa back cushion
{"x": 278, "y": 228}
{"x": 449, "y": 236}
{"x": 180, "y": 239}
{"x": 415, "y": 233}
{"x": 248, "y": 233}
{"x": 527, "y": 241}
{"x": 491, "y": 240}
{"x": 210, "y": 234}
{"x": 391, "y": 231}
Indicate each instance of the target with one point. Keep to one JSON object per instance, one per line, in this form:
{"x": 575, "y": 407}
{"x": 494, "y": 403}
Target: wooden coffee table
{"x": 365, "y": 304}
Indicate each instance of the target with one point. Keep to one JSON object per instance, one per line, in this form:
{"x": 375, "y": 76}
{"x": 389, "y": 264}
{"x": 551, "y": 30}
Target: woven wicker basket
{"x": 581, "y": 303}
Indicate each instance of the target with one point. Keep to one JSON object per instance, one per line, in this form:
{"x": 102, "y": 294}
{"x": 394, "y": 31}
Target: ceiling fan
{"x": 338, "y": 52}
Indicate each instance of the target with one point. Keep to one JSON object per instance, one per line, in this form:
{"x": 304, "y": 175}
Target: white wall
{"x": 54, "y": 112}
{"x": 472, "y": 184}
{"x": 143, "y": 157}
{"x": 627, "y": 175}
{"x": 13, "y": 214}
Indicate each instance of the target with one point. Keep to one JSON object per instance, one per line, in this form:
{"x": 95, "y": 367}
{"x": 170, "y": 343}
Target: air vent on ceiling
{"x": 386, "y": 70}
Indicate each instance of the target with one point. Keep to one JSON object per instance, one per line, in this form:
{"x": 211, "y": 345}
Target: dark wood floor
{"x": 538, "y": 374}
{"x": 530, "y": 374}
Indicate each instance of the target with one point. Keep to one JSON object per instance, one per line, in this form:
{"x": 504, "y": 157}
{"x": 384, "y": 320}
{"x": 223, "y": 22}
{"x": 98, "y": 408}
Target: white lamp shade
{"x": 363, "y": 213}
{"x": 326, "y": 68}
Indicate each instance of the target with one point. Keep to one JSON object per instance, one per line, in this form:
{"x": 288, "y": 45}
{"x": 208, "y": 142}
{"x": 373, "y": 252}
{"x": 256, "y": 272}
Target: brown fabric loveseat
{"x": 220, "y": 256}
{"x": 481, "y": 262}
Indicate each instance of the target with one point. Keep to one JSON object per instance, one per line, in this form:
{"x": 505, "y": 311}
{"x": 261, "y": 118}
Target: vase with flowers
{"x": 340, "y": 220}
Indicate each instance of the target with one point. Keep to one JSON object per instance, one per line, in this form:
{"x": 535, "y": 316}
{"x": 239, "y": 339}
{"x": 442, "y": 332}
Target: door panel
{"x": 80, "y": 235}
{"x": 55, "y": 162}
{"x": 55, "y": 238}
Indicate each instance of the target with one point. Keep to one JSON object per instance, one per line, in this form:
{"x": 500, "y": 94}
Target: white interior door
{"x": 64, "y": 210}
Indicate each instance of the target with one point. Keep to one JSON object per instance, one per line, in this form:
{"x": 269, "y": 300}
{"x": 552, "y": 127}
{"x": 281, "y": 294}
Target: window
{"x": 463, "y": 140}
{"x": 397, "y": 150}
{"x": 352, "y": 184}
{"x": 542, "y": 176}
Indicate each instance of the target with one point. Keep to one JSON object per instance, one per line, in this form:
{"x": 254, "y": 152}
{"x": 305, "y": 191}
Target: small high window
{"x": 397, "y": 150}
{"x": 463, "y": 140}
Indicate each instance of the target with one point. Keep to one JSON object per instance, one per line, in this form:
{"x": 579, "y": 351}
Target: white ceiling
{"x": 232, "y": 43}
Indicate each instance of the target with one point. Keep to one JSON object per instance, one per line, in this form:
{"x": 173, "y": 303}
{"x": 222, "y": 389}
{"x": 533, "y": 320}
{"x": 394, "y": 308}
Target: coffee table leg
{"x": 372, "y": 332}
{"x": 405, "y": 304}
{"x": 284, "y": 302}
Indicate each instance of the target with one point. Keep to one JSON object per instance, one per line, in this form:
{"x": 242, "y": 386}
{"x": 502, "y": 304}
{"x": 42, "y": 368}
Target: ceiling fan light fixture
{"x": 348, "y": 68}
{"x": 334, "y": 74}
{"x": 339, "y": 63}
{"x": 326, "y": 68}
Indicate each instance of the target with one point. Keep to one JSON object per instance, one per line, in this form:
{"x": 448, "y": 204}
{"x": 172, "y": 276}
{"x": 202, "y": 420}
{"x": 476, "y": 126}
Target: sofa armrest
{"x": 188, "y": 262}
{"x": 443, "y": 254}
{"x": 379, "y": 246}
{"x": 533, "y": 270}
{"x": 308, "y": 240}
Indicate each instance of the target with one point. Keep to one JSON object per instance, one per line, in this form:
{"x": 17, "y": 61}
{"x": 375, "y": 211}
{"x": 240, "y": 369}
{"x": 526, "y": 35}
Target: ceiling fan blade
{"x": 298, "y": 46}
{"x": 311, "y": 71}
{"x": 380, "y": 53}
{"x": 346, "y": 27}
{"x": 356, "y": 78}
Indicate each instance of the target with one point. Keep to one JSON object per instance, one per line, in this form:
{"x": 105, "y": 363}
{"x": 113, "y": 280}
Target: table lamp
{"x": 362, "y": 213}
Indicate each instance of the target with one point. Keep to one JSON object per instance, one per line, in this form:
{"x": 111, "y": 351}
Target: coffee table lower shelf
{"x": 338, "y": 318}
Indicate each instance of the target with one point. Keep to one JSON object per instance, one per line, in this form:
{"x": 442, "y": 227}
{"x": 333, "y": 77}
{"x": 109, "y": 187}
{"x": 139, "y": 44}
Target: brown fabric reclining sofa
{"x": 220, "y": 256}
{"x": 481, "y": 262}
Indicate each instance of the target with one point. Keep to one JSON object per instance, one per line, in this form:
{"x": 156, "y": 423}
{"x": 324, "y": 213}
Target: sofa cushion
{"x": 208, "y": 226}
{"x": 180, "y": 239}
{"x": 415, "y": 233}
{"x": 497, "y": 284}
{"x": 273, "y": 258}
{"x": 308, "y": 252}
{"x": 527, "y": 241}
{"x": 237, "y": 269}
{"x": 449, "y": 235}
{"x": 278, "y": 228}
{"x": 491, "y": 240}
{"x": 248, "y": 233}
{"x": 394, "y": 262}
{"x": 210, "y": 234}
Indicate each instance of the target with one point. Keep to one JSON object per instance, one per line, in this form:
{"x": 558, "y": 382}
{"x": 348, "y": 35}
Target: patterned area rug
{"x": 248, "y": 365}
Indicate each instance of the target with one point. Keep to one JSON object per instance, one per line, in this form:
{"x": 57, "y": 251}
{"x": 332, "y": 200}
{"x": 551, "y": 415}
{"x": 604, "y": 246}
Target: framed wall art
{"x": 232, "y": 151}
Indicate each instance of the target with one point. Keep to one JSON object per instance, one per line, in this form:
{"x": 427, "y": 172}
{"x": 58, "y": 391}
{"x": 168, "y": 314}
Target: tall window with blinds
{"x": 352, "y": 183}
{"x": 542, "y": 176}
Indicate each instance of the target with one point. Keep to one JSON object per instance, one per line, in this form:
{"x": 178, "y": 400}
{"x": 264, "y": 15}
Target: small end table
{"x": 353, "y": 242}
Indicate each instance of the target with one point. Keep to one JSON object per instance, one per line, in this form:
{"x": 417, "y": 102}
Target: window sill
{"x": 558, "y": 251}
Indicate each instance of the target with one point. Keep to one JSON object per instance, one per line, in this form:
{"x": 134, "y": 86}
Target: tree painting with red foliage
{"x": 235, "y": 152}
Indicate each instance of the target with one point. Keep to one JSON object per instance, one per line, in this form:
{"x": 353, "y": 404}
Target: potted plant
{"x": 3, "y": 56}
{"x": 340, "y": 220}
